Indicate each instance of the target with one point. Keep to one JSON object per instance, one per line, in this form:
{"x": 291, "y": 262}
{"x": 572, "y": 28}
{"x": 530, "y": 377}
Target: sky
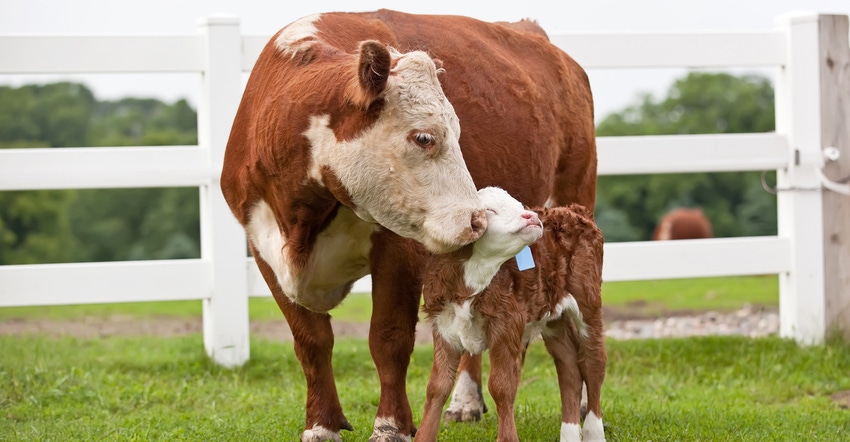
{"x": 612, "y": 89}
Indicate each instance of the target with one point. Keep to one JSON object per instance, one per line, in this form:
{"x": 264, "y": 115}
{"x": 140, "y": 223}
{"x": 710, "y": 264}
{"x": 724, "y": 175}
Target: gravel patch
{"x": 749, "y": 321}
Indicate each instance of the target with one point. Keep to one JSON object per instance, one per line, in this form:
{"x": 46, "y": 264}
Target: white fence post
{"x": 802, "y": 307}
{"x": 223, "y": 241}
{"x": 835, "y": 111}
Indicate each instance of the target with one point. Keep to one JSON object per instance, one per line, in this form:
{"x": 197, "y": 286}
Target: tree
{"x": 97, "y": 224}
{"x": 702, "y": 103}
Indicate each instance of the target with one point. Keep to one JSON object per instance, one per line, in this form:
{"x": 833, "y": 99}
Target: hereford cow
{"x": 683, "y": 224}
{"x": 345, "y": 159}
{"x": 475, "y": 303}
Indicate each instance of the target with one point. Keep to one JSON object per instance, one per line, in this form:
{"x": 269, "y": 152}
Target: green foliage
{"x": 700, "y": 103}
{"x": 100, "y": 224}
{"x": 707, "y": 389}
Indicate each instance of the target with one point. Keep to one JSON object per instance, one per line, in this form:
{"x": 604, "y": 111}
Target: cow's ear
{"x": 373, "y": 70}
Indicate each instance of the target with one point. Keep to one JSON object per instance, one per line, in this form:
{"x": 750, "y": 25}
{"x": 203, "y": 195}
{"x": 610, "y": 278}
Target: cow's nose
{"x": 479, "y": 222}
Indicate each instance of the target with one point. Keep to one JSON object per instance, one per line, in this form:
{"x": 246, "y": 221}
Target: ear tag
{"x": 524, "y": 260}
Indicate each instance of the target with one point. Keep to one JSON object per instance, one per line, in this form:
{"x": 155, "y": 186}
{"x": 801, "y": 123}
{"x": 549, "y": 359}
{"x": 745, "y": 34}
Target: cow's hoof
{"x": 320, "y": 434}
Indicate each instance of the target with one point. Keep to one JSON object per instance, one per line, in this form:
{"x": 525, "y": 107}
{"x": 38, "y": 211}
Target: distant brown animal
{"x": 683, "y": 224}
{"x": 346, "y": 158}
{"x": 475, "y": 303}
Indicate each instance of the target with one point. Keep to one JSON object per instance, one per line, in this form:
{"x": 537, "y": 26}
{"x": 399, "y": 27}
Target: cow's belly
{"x": 340, "y": 256}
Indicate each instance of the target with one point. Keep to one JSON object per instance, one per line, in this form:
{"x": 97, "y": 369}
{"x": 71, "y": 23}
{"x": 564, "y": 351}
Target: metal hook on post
{"x": 841, "y": 186}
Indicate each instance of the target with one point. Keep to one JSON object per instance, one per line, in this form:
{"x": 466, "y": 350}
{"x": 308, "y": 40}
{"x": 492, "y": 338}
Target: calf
{"x": 474, "y": 302}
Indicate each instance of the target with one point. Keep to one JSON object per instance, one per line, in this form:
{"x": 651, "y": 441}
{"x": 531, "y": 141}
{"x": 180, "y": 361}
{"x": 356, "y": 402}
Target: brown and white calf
{"x": 474, "y": 303}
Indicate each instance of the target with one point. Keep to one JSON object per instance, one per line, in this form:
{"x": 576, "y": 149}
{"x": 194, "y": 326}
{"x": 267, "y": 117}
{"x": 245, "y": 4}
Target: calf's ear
{"x": 373, "y": 70}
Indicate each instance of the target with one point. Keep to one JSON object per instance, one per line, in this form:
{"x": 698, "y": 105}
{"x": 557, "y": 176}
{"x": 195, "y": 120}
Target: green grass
{"x": 639, "y": 297}
{"x": 722, "y": 294}
{"x": 705, "y": 389}
{"x": 356, "y": 308}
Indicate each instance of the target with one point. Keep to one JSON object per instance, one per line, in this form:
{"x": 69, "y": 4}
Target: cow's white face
{"x": 406, "y": 171}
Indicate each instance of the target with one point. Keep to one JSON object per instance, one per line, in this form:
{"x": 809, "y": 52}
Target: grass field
{"x": 643, "y": 298}
{"x": 707, "y": 389}
{"x": 145, "y": 388}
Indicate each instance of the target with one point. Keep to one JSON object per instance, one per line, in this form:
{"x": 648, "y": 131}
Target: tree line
{"x": 127, "y": 224}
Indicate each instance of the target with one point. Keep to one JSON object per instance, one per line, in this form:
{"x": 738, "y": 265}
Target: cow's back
{"x": 525, "y": 107}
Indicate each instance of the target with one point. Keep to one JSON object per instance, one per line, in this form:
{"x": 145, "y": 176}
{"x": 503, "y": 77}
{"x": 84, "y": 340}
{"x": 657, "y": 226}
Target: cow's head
{"x": 401, "y": 166}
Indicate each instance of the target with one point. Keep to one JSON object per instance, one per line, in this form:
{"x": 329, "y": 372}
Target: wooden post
{"x": 223, "y": 242}
{"x": 835, "y": 132}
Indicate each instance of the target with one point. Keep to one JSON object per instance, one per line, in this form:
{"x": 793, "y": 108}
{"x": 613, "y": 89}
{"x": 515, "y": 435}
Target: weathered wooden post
{"x": 834, "y": 60}
{"x": 812, "y": 108}
{"x": 223, "y": 240}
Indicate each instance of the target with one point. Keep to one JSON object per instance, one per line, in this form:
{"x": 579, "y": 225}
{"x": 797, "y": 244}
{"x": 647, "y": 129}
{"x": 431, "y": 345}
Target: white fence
{"x": 808, "y": 252}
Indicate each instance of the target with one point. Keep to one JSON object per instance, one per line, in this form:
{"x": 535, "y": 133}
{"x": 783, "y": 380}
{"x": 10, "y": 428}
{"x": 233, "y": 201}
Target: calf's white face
{"x": 510, "y": 227}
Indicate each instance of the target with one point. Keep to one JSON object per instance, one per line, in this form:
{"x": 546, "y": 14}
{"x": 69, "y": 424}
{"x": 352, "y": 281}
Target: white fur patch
{"x": 466, "y": 399}
{"x": 298, "y": 35}
{"x": 339, "y": 256}
{"x": 593, "y": 429}
{"x": 320, "y": 434}
{"x": 462, "y": 327}
{"x": 386, "y": 428}
{"x": 570, "y": 432}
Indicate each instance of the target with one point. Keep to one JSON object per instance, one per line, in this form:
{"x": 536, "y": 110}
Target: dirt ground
{"x": 164, "y": 326}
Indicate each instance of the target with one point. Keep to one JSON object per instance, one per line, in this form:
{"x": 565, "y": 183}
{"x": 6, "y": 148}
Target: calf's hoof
{"x": 320, "y": 434}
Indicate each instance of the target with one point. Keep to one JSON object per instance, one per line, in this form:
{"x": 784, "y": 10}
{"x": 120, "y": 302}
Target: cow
{"x": 683, "y": 223}
{"x": 346, "y": 158}
{"x": 474, "y": 303}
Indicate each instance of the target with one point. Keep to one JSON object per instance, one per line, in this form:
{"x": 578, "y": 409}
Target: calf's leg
{"x": 562, "y": 345}
{"x": 592, "y": 361}
{"x": 443, "y": 371}
{"x": 505, "y": 367}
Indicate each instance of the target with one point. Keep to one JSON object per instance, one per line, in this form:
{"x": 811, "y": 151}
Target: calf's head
{"x": 510, "y": 227}
{"x": 403, "y": 168}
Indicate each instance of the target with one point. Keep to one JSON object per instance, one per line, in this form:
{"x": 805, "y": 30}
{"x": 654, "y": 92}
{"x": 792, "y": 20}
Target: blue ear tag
{"x": 524, "y": 260}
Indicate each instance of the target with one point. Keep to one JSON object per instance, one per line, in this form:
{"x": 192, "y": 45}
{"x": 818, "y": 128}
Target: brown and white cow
{"x": 345, "y": 159}
{"x": 683, "y": 223}
{"x": 475, "y": 303}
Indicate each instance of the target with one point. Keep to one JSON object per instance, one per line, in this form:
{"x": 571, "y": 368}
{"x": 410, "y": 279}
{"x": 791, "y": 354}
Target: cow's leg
{"x": 505, "y": 368}
{"x": 443, "y": 372}
{"x": 397, "y": 265}
{"x": 313, "y": 342}
{"x": 562, "y": 344}
{"x": 467, "y": 403}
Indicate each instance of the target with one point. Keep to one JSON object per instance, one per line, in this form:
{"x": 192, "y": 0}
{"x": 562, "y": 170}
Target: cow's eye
{"x": 424, "y": 139}
{"x": 492, "y": 211}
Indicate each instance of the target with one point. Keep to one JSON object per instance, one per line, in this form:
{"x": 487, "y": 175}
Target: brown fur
{"x": 568, "y": 259}
{"x": 526, "y": 113}
{"x": 683, "y": 224}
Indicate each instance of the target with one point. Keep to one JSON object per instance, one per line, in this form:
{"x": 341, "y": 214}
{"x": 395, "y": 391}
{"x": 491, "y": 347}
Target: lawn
{"x": 706, "y": 389}
{"x": 641, "y": 298}
{"x": 165, "y": 388}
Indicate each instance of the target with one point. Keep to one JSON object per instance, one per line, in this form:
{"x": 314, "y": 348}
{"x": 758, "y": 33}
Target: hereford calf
{"x": 474, "y": 303}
